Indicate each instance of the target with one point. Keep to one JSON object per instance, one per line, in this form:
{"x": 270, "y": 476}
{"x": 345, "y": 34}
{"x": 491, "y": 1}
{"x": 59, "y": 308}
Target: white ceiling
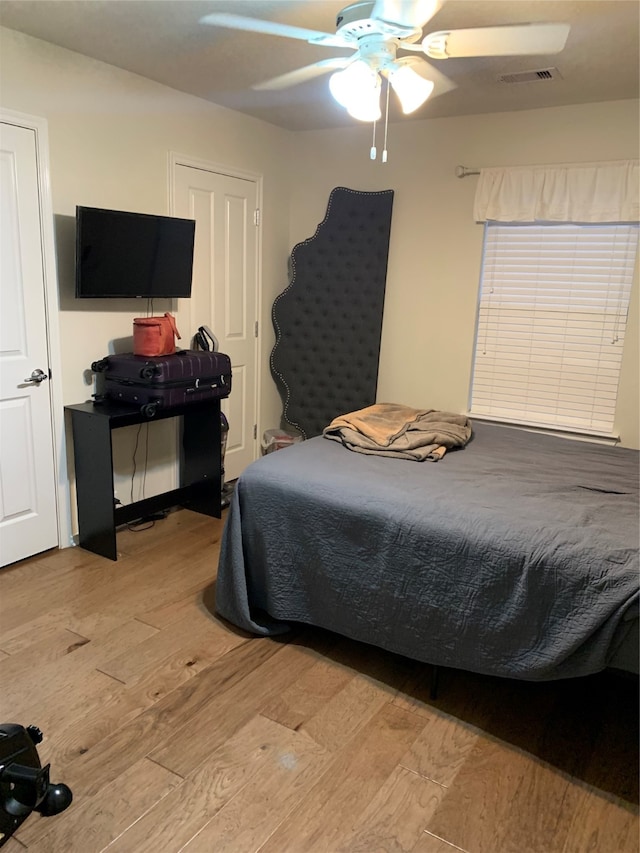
{"x": 163, "y": 40}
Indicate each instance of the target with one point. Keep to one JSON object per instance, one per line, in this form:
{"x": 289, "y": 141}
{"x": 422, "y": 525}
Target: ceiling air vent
{"x": 530, "y": 76}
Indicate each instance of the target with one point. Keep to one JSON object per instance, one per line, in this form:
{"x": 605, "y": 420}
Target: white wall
{"x": 435, "y": 248}
{"x": 110, "y": 134}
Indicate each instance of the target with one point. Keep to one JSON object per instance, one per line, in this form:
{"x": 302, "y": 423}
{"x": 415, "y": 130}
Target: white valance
{"x": 572, "y": 192}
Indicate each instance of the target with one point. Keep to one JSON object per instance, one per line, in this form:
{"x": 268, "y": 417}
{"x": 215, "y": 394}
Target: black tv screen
{"x": 121, "y": 254}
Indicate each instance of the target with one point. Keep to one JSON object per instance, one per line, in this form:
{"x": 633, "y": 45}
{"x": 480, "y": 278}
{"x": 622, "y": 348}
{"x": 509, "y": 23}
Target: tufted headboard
{"x": 328, "y": 321}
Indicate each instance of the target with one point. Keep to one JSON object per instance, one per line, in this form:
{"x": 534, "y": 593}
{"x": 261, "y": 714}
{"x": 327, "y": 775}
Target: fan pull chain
{"x": 374, "y": 151}
{"x": 386, "y": 126}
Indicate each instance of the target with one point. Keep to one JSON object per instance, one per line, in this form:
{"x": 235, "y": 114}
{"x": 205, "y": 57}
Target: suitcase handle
{"x": 206, "y": 340}
{"x": 172, "y": 323}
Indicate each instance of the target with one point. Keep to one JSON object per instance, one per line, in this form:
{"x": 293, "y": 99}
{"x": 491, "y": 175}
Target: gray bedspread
{"x": 515, "y": 556}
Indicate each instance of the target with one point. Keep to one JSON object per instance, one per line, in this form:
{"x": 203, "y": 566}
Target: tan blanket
{"x": 390, "y": 429}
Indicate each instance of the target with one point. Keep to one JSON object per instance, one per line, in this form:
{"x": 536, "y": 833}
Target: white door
{"x": 224, "y": 293}
{"x": 28, "y": 511}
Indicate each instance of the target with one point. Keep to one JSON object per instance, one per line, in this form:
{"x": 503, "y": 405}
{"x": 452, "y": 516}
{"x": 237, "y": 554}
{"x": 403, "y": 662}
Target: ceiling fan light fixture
{"x": 411, "y": 88}
{"x": 357, "y": 88}
{"x": 377, "y": 30}
{"x": 367, "y": 109}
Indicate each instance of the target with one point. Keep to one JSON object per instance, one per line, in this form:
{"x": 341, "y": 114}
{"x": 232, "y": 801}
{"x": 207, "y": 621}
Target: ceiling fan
{"x": 377, "y": 30}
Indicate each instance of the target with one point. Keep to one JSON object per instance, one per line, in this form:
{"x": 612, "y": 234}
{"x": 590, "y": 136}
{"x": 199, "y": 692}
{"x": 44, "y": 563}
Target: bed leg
{"x": 435, "y": 673}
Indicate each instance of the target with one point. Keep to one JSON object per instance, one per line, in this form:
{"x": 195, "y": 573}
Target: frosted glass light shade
{"x": 357, "y": 88}
{"x": 411, "y": 88}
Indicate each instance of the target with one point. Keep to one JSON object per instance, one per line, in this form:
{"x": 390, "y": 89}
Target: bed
{"x": 515, "y": 556}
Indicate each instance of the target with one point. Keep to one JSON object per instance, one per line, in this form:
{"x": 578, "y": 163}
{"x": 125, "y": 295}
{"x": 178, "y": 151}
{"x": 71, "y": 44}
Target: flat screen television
{"x": 121, "y": 254}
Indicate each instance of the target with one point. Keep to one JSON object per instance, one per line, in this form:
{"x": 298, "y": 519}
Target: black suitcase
{"x": 162, "y": 382}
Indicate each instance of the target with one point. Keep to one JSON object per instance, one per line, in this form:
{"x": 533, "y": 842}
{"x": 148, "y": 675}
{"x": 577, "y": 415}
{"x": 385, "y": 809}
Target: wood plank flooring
{"x": 177, "y": 731}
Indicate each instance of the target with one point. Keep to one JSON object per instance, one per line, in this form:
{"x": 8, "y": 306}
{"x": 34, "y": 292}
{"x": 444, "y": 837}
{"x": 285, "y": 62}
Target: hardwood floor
{"x": 176, "y": 731}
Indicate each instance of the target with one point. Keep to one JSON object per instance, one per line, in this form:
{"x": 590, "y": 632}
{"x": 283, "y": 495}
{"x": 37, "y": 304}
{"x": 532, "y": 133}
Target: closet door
{"x": 224, "y": 295}
{"x": 28, "y": 510}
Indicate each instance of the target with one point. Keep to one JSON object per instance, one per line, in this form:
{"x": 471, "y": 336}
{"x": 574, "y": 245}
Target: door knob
{"x": 37, "y": 376}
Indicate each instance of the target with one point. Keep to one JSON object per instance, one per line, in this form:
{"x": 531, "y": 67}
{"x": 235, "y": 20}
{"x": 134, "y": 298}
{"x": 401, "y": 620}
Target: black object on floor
{"x": 24, "y": 783}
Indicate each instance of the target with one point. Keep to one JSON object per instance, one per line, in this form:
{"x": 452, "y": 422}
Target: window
{"x": 551, "y": 323}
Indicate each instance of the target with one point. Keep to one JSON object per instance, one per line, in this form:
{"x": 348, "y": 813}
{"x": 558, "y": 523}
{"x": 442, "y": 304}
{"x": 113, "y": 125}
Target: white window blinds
{"x": 551, "y": 324}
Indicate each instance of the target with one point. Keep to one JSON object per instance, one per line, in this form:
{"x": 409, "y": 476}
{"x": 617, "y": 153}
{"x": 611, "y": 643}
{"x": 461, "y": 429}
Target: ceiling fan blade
{"x": 508, "y": 40}
{"x": 301, "y": 75}
{"x": 408, "y": 13}
{"x": 441, "y": 82}
{"x": 273, "y": 28}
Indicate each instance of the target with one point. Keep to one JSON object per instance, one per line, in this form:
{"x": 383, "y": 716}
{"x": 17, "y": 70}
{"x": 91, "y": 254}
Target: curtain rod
{"x": 464, "y": 171}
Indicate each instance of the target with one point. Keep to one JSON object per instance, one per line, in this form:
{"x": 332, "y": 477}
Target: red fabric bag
{"x": 155, "y": 335}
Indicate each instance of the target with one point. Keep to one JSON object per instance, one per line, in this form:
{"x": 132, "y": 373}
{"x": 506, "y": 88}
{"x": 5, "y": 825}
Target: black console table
{"x": 200, "y": 468}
